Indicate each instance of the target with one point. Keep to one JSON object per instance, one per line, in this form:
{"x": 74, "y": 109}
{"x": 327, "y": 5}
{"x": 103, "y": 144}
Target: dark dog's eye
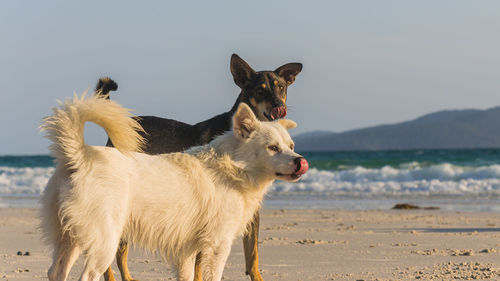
{"x": 274, "y": 148}
{"x": 281, "y": 88}
{"x": 291, "y": 146}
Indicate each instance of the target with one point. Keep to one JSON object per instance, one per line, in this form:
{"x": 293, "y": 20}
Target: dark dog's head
{"x": 264, "y": 91}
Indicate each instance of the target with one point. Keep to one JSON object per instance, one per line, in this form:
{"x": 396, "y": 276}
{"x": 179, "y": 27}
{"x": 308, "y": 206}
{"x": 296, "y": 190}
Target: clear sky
{"x": 365, "y": 62}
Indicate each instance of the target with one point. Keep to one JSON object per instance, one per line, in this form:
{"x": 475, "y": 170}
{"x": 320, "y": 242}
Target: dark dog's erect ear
{"x": 289, "y": 71}
{"x": 244, "y": 122}
{"x": 242, "y": 72}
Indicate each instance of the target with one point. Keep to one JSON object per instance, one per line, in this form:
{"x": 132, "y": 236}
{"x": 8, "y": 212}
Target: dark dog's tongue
{"x": 278, "y": 112}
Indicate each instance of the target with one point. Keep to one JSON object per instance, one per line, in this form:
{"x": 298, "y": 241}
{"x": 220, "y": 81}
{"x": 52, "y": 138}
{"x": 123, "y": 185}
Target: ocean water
{"x": 458, "y": 180}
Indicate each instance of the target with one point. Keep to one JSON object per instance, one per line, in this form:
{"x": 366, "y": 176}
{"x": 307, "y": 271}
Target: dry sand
{"x": 312, "y": 245}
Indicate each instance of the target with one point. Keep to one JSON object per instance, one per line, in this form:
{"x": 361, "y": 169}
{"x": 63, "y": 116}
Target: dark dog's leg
{"x": 198, "y": 276}
{"x": 121, "y": 260}
{"x": 250, "y": 245}
{"x": 108, "y": 275}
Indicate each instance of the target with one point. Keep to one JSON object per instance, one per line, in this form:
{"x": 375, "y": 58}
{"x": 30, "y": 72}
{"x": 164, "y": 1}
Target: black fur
{"x": 167, "y": 135}
{"x": 106, "y": 85}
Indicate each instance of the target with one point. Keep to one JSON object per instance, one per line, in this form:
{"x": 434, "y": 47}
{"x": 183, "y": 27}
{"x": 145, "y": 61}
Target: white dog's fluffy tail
{"x": 65, "y": 127}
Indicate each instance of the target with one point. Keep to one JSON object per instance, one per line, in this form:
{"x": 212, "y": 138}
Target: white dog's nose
{"x": 302, "y": 165}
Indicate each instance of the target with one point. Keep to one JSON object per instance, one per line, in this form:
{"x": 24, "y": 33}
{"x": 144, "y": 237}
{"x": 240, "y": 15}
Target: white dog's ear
{"x": 287, "y": 124}
{"x": 244, "y": 121}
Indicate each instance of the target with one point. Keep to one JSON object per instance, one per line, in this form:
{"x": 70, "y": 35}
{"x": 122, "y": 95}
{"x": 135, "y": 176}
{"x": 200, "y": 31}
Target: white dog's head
{"x": 267, "y": 146}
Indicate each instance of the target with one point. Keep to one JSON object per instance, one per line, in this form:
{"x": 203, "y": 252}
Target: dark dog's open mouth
{"x": 267, "y": 116}
{"x": 276, "y": 113}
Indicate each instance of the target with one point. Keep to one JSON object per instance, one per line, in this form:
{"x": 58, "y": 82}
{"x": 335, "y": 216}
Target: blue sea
{"x": 453, "y": 180}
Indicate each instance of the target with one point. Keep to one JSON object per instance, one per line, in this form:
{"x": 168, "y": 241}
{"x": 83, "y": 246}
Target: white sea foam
{"x": 406, "y": 181}
{"x": 23, "y": 181}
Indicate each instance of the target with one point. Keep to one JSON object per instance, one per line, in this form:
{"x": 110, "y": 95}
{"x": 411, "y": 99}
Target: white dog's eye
{"x": 291, "y": 146}
{"x": 274, "y": 148}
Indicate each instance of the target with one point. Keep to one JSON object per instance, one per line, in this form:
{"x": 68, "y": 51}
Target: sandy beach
{"x": 311, "y": 245}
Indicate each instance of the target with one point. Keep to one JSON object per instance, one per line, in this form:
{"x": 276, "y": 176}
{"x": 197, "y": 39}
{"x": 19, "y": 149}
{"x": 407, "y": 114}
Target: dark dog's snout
{"x": 302, "y": 165}
{"x": 278, "y": 112}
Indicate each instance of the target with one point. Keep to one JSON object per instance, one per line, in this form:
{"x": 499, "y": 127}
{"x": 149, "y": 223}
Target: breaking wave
{"x": 25, "y": 181}
{"x": 407, "y": 180}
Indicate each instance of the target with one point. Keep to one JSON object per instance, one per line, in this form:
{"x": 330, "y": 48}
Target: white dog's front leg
{"x": 185, "y": 268}
{"x": 65, "y": 255}
{"x": 217, "y": 261}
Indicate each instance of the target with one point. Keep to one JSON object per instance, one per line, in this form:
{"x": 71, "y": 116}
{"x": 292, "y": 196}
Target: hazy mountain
{"x": 443, "y": 129}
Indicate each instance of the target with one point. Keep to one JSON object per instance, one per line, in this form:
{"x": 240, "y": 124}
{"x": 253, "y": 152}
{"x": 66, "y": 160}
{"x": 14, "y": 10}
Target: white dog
{"x": 178, "y": 204}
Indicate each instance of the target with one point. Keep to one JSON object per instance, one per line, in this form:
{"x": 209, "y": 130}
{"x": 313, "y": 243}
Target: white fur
{"x": 176, "y": 204}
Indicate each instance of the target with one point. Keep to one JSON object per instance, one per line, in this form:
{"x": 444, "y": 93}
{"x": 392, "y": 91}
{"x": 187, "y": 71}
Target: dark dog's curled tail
{"x": 104, "y": 86}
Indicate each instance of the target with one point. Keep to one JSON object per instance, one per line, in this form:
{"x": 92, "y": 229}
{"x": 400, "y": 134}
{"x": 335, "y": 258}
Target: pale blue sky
{"x": 365, "y": 62}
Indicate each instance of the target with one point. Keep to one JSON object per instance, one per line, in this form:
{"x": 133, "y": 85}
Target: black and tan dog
{"x": 264, "y": 91}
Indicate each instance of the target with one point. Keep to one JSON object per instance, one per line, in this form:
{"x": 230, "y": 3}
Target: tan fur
{"x": 250, "y": 244}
